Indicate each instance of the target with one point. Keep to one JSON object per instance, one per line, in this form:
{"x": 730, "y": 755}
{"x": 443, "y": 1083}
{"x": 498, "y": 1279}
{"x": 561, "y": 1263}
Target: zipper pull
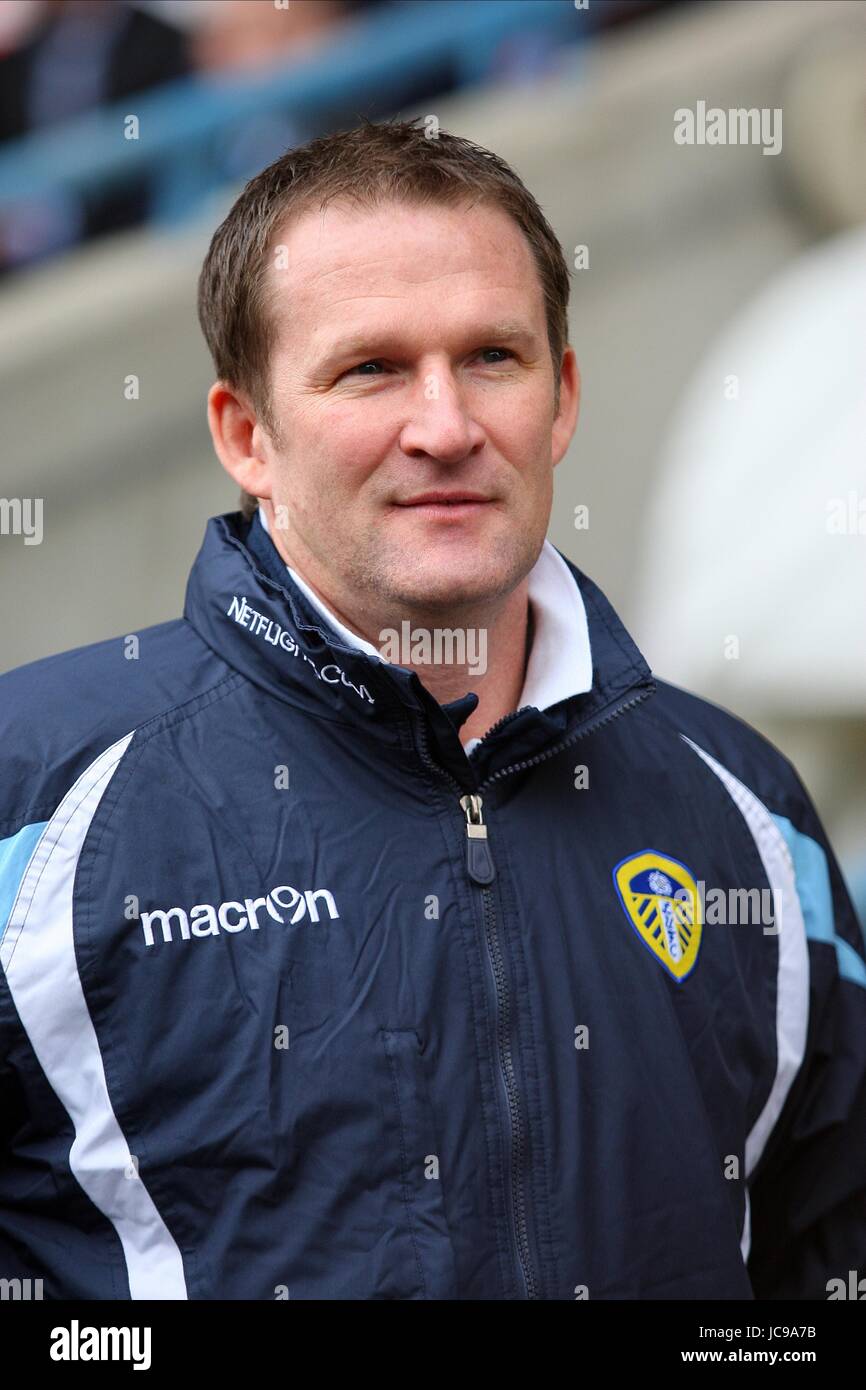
{"x": 478, "y": 858}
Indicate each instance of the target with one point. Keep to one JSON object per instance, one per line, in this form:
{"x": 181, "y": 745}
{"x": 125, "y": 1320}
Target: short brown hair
{"x": 376, "y": 162}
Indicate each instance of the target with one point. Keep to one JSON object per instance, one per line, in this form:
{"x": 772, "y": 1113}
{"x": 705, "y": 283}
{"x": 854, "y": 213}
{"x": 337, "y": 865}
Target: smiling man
{"x": 416, "y": 417}
{"x": 329, "y": 975}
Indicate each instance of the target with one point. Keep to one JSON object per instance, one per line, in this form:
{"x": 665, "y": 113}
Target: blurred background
{"x": 716, "y": 486}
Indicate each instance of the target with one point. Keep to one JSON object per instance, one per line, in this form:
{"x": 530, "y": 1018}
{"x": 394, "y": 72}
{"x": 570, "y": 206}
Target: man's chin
{"x": 446, "y": 587}
{"x": 449, "y": 566}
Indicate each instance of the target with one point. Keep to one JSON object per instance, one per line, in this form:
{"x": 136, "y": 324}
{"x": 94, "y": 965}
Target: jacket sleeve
{"x": 13, "y": 1107}
{"x": 808, "y": 1192}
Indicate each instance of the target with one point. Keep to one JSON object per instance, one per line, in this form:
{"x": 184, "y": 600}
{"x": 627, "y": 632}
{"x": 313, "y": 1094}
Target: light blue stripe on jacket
{"x": 816, "y": 898}
{"x": 14, "y": 857}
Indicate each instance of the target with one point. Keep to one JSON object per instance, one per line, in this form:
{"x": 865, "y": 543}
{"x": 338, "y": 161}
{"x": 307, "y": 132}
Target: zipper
{"x": 578, "y": 733}
{"x": 482, "y": 871}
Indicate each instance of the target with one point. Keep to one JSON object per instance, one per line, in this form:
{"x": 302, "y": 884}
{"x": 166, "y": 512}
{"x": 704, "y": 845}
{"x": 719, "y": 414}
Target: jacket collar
{"x": 264, "y": 621}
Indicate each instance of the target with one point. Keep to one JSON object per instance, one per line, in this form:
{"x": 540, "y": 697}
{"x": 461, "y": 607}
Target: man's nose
{"x": 440, "y": 422}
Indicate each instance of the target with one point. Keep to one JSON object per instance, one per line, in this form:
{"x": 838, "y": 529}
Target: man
{"x": 495, "y": 969}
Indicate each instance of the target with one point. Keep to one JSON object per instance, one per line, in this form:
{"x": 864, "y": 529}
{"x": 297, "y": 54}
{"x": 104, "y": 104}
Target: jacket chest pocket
{"x": 412, "y": 1151}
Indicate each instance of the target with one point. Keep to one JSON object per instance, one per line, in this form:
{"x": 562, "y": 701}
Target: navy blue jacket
{"x": 299, "y": 1000}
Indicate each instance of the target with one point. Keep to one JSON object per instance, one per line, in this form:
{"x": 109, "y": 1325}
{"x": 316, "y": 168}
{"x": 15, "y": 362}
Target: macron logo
{"x": 282, "y": 904}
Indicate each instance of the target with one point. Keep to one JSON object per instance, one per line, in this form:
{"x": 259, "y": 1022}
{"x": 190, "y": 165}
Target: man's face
{"x": 412, "y": 358}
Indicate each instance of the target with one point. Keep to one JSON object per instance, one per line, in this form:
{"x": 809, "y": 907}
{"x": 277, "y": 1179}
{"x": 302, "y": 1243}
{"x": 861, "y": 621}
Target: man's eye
{"x": 377, "y": 361}
{"x": 371, "y": 362}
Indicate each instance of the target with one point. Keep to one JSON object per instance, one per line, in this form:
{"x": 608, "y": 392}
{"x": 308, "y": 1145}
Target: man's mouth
{"x": 447, "y": 505}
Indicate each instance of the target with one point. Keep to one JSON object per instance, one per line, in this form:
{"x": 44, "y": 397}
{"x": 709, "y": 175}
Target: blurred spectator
{"x": 17, "y": 18}
{"x": 79, "y": 55}
{"x": 61, "y": 59}
{"x": 244, "y": 35}
{"x": 247, "y": 38}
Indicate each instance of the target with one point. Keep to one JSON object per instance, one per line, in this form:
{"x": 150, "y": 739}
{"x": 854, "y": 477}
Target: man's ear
{"x": 238, "y": 439}
{"x": 569, "y": 406}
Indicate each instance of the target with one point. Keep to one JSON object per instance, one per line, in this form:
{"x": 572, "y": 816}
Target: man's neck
{"x": 497, "y": 641}
{"x": 500, "y": 685}
{"x": 496, "y": 649}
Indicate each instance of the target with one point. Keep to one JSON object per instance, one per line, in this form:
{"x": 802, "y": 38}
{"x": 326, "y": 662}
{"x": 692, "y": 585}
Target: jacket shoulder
{"x": 766, "y": 775}
{"x": 57, "y": 714}
{"x": 733, "y": 743}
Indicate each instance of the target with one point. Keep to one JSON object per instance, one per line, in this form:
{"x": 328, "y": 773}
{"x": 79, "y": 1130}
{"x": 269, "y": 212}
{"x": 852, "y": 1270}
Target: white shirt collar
{"x": 560, "y": 661}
